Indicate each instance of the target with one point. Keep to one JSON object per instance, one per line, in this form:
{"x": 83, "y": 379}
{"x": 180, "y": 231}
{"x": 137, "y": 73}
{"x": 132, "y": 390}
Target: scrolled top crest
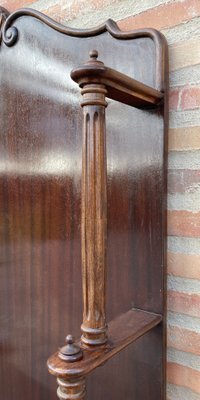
{"x": 10, "y": 35}
{"x": 10, "y": 32}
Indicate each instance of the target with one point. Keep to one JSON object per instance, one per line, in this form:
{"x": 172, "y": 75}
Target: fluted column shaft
{"x": 94, "y": 214}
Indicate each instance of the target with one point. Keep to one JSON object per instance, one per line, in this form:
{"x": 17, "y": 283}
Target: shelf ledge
{"x": 120, "y": 87}
{"x": 122, "y": 331}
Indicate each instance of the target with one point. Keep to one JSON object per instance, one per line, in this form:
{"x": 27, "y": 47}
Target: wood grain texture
{"x": 40, "y": 202}
{"x": 122, "y": 331}
{"x": 94, "y": 215}
{"x": 119, "y": 87}
{"x": 10, "y": 36}
{"x": 71, "y": 389}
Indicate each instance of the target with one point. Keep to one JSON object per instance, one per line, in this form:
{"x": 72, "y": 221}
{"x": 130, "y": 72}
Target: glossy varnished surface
{"x": 122, "y": 331}
{"x": 40, "y": 272}
{"x": 120, "y": 87}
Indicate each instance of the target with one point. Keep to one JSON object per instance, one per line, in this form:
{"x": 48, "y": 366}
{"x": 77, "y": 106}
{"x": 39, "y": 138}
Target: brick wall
{"x": 179, "y": 20}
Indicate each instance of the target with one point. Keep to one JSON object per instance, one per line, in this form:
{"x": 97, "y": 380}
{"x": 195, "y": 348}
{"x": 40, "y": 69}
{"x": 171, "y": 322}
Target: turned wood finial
{"x": 93, "y": 60}
{"x": 72, "y": 351}
{"x": 93, "y": 54}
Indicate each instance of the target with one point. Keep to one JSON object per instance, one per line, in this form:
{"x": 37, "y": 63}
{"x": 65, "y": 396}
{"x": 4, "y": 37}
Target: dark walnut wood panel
{"x": 40, "y": 142}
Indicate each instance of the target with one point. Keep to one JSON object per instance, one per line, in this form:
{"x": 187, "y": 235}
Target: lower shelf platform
{"x": 122, "y": 331}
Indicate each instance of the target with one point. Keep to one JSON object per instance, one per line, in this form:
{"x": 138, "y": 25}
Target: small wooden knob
{"x": 93, "y": 54}
{"x": 72, "y": 351}
{"x": 69, "y": 339}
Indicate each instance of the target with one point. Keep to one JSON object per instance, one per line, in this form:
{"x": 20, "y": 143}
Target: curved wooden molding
{"x": 10, "y": 35}
{"x": 3, "y": 16}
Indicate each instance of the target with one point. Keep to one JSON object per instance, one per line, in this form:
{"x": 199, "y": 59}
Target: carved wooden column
{"x": 76, "y": 360}
{"x": 71, "y": 389}
{"x": 94, "y": 209}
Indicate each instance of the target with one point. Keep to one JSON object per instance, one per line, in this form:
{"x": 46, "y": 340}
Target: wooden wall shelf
{"x": 102, "y": 212}
{"x": 122, "y": 331}
{"x": 120, "y": 87}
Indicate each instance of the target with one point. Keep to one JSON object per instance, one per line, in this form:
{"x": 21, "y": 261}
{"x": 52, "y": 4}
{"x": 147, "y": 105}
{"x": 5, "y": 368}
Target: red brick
{"x": 184, "y": 98}
{"x": 163, "y": 16}
{"x": 183, "y": 339}
{"x": 183, "y": 303}
{"x": 76, "y": 8}
{"x": 184, "y": 265}
{"x": 190, "y": 98}
{"x": 174, "y": 99}
{"x": 55, "y": 12}
{"x": 181, "y": 139}
{"x": 183, "y": 180}
{"x": 12, "y": 5}
{"x": 183, "y": 376}
{"x": 183, "y": 223}
{"x": 184, "y": 54}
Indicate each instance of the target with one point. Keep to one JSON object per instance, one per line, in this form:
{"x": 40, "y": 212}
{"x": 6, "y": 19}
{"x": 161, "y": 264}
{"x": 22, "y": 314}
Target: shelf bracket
{"x": 98, "y": 342}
